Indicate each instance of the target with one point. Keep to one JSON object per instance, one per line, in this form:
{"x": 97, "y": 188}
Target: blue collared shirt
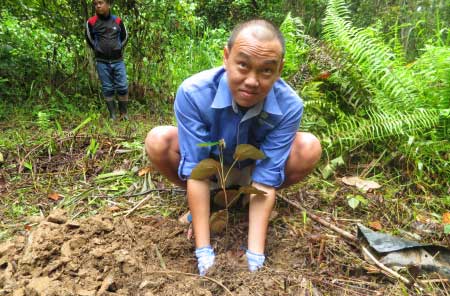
{"x": 206, "y": 112}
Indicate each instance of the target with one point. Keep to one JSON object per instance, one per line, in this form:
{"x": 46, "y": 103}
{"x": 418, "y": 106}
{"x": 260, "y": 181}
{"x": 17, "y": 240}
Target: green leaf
{"x": 247, "y": 151}
{"x": 251, "y": 190}
{"x": 28, "y": 165}
{"x": 327, "y": 171}
{"x": 353, "y": 202}
{"x": 205, "y": 169}
{"x": 447, "y": 228}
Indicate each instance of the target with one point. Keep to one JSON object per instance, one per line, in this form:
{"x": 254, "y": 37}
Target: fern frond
{"x": 380, "y": 125}
{"x": 392, "y": 85}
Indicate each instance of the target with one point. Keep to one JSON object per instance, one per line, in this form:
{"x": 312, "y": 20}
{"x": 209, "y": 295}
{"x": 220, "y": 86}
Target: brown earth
{"x": 102, "y": 255}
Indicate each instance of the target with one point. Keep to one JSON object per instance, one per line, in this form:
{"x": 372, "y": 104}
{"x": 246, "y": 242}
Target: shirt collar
{"x": 224, "y": 99}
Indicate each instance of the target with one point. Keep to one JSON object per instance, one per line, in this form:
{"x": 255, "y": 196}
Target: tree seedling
{"x": 226, "y": 197}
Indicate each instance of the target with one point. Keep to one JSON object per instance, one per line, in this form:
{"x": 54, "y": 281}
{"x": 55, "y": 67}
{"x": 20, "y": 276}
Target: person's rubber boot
{"x": 123, "y": 110}
{"x": 123, "y": 104}
{"x": 112, "y": 109}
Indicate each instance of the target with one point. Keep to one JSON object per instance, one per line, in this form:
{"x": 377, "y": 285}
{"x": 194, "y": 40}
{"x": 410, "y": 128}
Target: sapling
{"x": 226, "y": 197}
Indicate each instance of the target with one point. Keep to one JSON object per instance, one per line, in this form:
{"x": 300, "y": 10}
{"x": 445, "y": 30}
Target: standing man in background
{"x": 107, "y": 36}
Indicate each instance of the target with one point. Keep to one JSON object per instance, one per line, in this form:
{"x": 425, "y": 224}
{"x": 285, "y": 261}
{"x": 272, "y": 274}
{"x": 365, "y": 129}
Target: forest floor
{"x": 91, "y": 217}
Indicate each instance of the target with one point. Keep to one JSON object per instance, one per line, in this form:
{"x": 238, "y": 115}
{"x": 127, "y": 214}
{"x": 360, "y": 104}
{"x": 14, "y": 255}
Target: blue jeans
{"x": 113, "y": 77}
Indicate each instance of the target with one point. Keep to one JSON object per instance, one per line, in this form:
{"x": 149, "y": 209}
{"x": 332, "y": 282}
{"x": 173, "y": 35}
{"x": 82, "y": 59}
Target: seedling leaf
{"x": 232, "y": 197}
{"x": 247, "y": 151}
{"x": 218, "y": 221}
{"x": 205, "y": 169}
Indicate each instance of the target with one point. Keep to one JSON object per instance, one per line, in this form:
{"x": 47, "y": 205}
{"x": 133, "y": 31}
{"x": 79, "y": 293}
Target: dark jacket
{"x": 107, "y": 36}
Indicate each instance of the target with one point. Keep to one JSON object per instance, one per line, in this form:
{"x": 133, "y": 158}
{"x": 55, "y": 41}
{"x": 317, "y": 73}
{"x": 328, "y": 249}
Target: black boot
{"x": 112, "y": 109}
{"x": 123, "y": 109}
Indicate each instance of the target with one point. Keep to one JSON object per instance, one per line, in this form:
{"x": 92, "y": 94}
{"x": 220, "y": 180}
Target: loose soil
{"x": 136, "y": 255}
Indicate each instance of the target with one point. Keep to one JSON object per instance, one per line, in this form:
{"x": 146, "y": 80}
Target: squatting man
{"x": 243, "y": 102}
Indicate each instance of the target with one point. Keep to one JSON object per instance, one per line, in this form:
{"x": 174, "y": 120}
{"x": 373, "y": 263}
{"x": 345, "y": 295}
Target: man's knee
{"x": 308, "y": 148}
{"x": 159, "y": 140}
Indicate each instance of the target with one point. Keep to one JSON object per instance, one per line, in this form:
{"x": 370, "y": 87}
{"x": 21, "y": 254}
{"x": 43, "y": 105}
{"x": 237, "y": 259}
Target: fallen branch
{"x": 138, "y": 205}
{"x": 384, "y": 267}
{"x": 316, "y": 218}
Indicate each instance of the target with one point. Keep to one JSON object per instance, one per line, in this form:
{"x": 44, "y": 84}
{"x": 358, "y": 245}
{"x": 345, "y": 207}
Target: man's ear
{"x": 226, "y": 54}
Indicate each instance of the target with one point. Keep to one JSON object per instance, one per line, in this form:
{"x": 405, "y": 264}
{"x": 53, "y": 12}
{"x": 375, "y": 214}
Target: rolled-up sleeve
{"x": 192, "y": 130}
{"x": 277, "y": 146}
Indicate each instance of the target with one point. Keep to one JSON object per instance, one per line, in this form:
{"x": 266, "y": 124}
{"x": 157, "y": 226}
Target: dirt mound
{"x": 102, "y": 255}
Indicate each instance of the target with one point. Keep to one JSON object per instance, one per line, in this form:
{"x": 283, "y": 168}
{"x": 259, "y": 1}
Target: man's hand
{"x": 205, "y": 258}
{"x": 199, "y": 205}
{"x": 255, "y": 261}
{"x": 261, "y": 206}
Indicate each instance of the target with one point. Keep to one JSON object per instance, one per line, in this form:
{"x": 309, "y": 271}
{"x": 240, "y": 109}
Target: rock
{"x": 57, "y": 216}
{"x": 19, "y": 292}
{"x": 85, "y": 293}
{"x": 5, "y": 248}
{"x": 42, "y": 286}
{"x": 73, "y": 224}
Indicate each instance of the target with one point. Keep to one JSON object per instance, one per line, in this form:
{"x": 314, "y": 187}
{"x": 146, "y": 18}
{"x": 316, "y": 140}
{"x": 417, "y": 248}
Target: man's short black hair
{"x": 258, "y": 22}
{"x": 109, "y": 2}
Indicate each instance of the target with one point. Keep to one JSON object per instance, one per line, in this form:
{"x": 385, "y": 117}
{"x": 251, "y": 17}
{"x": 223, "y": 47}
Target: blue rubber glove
{"x": 205, "y": 258}
{"x": 255, "y": 261}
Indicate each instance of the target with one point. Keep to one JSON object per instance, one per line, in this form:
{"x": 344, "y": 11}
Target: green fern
{"x": 391, "y": 84}
{"x": 403, "y": 102}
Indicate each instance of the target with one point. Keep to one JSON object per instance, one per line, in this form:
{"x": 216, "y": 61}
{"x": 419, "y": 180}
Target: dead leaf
{"x": 145, "y": 171}
{"x": 376, "y": 225}
{"x": 218, "y": 221}
{"x": 446, "y": 218}
{"x": 205, "y": 169}
{"x": 114, "y": 209}
{"x": 247, "y": 151}
{"x": 364, "y": 185}
{"x": 55, "y": 196}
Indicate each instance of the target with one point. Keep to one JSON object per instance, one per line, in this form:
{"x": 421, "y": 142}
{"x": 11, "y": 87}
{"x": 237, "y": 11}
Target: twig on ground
{"x": 384, "y": 267}
{"x": 342, "y": 232}
{"x": 194, "y": 275}
{"x": 154, "y": 190}
{"x": 138, "y": 205}
{"x": 160, "y": 257}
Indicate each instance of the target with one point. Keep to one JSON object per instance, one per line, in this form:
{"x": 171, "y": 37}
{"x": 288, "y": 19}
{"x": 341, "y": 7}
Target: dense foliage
{"x": 374, "y": 74}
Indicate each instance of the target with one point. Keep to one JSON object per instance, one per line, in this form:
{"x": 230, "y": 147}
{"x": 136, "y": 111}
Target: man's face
{"x": 101, "y": 7}
{"x": 252, "y": 67}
